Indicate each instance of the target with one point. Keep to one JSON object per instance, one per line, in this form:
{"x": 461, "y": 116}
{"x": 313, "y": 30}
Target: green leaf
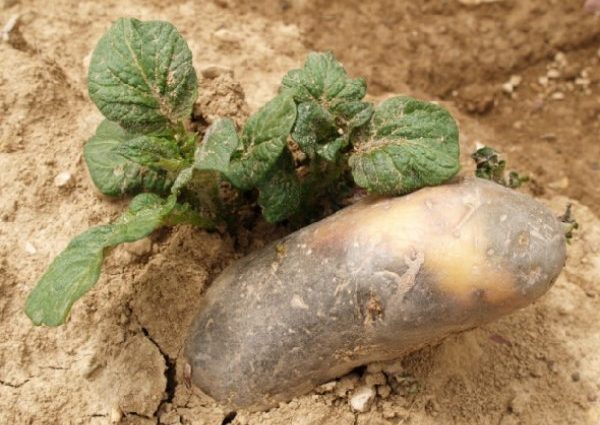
{"x": 77, "y": 268}
{"x": 329, "y": 105}
{"x": 323, "y": 79}
{"x": 220, "y": 141}
{"x": 280, "y": 192}
{"x": 263, "y": 140}
{"x": 409, "y": 144}
{"x": 329, "y": 151}
{"x": 141, "y": 75}
{"x": 111, "y": 172}
{"x": 157, "y": 153}
{"x": 314, "y": 125}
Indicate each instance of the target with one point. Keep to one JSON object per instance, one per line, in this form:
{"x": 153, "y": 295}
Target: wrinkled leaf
{"x": 409, "y": 144}
{"x": 323, "y": 79}
{"x": 263, "y": 140}
{"x": 329, "y": 105}
{"x": 111, "y": 172}
{"x": 141, "y": 75}
{"x": 329, "y": 151}
{"x": 157, "y": 153}
{"x": 314, "y": 125}
{"x": 220, "y": 141}
{"x": 280, "y": 192}
{"x": 77, "y": 268}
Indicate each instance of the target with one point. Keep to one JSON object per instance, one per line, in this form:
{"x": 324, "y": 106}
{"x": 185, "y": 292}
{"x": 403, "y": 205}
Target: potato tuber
{"x": 370, "y": 283}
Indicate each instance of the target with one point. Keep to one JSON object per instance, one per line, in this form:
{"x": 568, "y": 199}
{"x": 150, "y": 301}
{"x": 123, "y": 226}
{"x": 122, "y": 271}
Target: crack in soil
{"x": 11, "y": 385}
{"x": 170, "y": 371}
{"x": 229, "y": 418}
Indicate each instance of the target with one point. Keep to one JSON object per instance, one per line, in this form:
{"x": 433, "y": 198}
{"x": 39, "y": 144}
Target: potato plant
{"x": 316, "y": 135}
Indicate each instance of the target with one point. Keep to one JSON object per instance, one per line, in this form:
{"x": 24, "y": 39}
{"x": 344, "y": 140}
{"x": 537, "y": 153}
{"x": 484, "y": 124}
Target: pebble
{"x": 29, "y": 248}
{"x": 562, "y": 183}
{"x": 543, "y": 81}
{"x": 558, "y": 95}
{"x": 115, "y": 415}
{"x": 326, "y": 387}
{"x": 362, "y": 399}
{"x": 560, "y": 58}
{"x": 63, "y": 179}
{"x": 553, "y": 74}
{"x": 575, "y": 376}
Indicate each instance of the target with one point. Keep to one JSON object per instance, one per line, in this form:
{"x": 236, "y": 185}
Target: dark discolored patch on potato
{"x": 370, "y": 283}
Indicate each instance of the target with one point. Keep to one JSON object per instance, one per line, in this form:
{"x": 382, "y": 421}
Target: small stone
{"x": 562, "y": 183}
{"x": 582, "y": 81}
{"x": 553, "y": 74}
{"x": 575, "y": 376}
{"x": 515, "y": 80}
{"x": 517, "y": 125}
{"x": 29, "y": 248}
{"x": 140, "y": 248}
{"x": 115, "y": 415}
{"x": 326, "y": 387}
{"x": 508, "y": 88}
{"x": 560, "y": 58}
{"x": 384, "y": 391}
{"x": 213, "y": 71}
{"x": 362, "y": 399}
{"x": 543, "y": 80}
{"x": 558, "y": 95}
{"x": 375, "y": 379}
{"x": 64, "y": 179}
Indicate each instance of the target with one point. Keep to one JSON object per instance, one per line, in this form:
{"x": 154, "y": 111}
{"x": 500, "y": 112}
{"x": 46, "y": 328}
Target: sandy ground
{"x": 118, "y": 359}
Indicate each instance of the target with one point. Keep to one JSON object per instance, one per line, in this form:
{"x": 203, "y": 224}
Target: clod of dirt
{"x": 374, "y": 379}
{"x": 220, "y": 96}
{"x": 141, "y": 248}
{"x": 143, "y": 391}
{"x": 213, "y": 71}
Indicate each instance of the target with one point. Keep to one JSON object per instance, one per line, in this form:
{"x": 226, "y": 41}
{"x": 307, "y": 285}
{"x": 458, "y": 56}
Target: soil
{"x": 523, "y": 77}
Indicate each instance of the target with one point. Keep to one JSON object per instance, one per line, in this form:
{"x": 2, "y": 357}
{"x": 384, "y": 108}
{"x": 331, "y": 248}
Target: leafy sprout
{"x": 491, "y": 166}
{"x": 316, "y": 136}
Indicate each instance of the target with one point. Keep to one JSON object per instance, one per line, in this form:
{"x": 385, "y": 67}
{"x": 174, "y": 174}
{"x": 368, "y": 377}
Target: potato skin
{"x": 370, "y": 283}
